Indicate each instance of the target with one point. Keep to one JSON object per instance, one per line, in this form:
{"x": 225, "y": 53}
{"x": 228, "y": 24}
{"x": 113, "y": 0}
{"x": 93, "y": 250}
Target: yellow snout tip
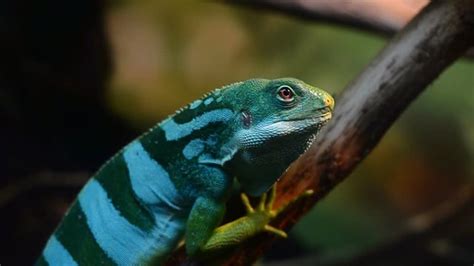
{"x": 329, "y": 100}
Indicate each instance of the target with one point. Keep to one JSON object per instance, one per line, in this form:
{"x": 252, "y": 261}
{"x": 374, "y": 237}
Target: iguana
{"x": 174, "y": 180}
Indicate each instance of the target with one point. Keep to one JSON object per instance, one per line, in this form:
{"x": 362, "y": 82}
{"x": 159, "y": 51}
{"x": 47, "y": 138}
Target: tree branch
{"x": 384, "y": 17}
{"x": 412, "y": 243}
{"x": 434, "y": 39}
{"x": 381, "y": 16}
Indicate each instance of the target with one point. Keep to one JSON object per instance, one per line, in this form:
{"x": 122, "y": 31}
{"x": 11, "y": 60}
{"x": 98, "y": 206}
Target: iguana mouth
{"x": 321, "y": 119}
{"x": 325, "y": 118}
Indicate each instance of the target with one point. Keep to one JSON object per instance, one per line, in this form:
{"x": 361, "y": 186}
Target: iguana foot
{"x": 264, "y": 209}
{"x": 256, "y": 221}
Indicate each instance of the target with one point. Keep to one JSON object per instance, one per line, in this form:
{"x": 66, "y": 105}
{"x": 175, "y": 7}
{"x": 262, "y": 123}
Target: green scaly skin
{"x": 173, "y": 182}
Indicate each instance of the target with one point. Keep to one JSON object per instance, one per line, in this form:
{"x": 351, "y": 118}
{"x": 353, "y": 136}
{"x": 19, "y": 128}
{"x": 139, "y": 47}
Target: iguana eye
{"x": 286, "y": 93}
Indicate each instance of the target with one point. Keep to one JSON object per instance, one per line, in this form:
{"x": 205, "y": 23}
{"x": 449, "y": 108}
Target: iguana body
{"x": 174, "y": 180}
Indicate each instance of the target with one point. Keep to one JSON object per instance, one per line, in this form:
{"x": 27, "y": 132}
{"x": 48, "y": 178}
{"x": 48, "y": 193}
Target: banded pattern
{"x": 55, "y": 253}
{"x": 180, "y": 173}
{"x": 174, "y": 131}
{"x": 137, "y": 218}
{"x": 131, "y": 211}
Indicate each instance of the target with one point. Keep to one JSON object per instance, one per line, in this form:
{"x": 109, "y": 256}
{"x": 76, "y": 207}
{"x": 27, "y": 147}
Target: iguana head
{"x": 277, "y": 121}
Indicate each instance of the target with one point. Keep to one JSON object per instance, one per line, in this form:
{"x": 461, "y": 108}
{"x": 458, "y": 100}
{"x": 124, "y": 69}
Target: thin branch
{"x": 384, "y": 17}
{"x": 433, "y": 40}
{"x": 380, "y": 16}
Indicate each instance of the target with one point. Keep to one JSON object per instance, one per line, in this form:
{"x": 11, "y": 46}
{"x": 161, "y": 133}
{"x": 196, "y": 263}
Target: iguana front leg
{"x": 256, "y": 221}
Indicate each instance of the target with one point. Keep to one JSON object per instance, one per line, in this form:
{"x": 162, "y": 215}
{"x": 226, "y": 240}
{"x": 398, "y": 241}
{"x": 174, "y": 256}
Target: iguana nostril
{"x": 329, "y": 102}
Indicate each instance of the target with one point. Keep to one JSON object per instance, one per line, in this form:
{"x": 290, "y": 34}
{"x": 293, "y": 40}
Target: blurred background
{"x": 78, "y": 81}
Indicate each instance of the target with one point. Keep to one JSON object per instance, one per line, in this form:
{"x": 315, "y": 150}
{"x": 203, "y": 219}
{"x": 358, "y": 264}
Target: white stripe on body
{"x": 56, "y": 254}
{"x": 174, "y": 131}
{"x": 195, "y": 104}
{"x": 194, "y": 148}
{"x": 150, "y": 181}
{"x": 208, "y": 101}
{"x": 122, "y": 241}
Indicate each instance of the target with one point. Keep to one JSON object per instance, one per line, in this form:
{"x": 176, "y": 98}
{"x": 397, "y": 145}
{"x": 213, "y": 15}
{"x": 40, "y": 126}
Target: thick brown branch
{"x": 385, "y": 17}
{"x": 420, "y": 237}
{"x": 437, "y": 36}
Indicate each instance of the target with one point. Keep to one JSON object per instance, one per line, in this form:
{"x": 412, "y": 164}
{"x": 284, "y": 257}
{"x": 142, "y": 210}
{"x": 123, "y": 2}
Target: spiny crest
{"x": 214, "y": 92}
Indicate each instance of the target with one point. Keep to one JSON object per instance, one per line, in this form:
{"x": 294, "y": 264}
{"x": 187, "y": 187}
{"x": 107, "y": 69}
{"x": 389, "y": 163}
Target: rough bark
{"x": 435, "y": 38}
{"x": 434, "y": 237}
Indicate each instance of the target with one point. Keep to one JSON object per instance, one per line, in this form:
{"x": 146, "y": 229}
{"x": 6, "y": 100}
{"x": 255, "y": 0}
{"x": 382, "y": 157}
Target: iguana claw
{"x": 265, "y": 208}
